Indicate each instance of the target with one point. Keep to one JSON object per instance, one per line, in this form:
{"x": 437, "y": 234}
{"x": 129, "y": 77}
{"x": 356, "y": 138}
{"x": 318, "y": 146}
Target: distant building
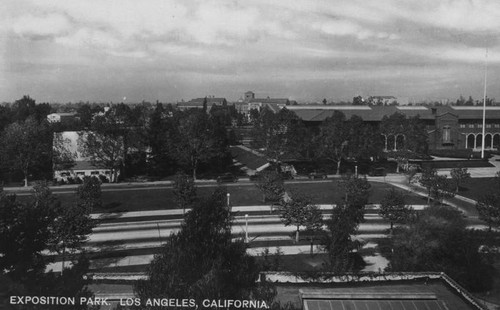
{"x": 449, "y": 127}
{"x": 64, "y": 118}
{"x": 249, "y": 95}
{"x": 82, "y": 166}
{"x": 197, "y": 103}
{"x": 259, "y": 103}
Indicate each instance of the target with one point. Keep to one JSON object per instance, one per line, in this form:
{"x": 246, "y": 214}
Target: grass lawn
{"x": 478, "y": 187}
{"x": 137, "y": 199}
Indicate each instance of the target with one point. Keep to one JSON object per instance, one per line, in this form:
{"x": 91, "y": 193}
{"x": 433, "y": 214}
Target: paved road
{"x": 134, "y": 242}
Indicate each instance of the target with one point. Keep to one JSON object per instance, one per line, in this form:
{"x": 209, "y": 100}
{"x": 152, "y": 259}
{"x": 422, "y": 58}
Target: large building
{"x": 258, "y": 103}
{"x": 81, "y": 166}
{"x": 449, "y": 127}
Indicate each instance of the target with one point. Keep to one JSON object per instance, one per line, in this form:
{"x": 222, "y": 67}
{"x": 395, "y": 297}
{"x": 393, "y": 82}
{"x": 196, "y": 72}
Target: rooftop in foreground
{"x": 404, "y": 291}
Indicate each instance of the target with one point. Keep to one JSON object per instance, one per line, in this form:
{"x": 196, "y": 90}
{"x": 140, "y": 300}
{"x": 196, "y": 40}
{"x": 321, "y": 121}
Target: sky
{"x": 304, "y": 50}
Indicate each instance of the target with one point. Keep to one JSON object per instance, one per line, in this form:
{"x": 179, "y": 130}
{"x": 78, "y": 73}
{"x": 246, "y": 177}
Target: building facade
{"x": 448, "y": 127}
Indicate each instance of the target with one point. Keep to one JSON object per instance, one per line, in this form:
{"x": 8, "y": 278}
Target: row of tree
{"x": 125, "y": 140}
{"x": 159, "y": 142}
{"x": 436, "y": 239}
{"x": 283, "y": 136}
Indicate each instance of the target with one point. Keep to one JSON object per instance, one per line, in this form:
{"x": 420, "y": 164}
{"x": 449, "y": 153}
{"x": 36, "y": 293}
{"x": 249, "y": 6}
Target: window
{"x": 497, "y": 125}
{"x": 488, "y": 125}
{"x": 479, "y": 125}
{"x": 446, "y": 134}
{"x": 471, "y": 125}
{"x": 462, "y": 125}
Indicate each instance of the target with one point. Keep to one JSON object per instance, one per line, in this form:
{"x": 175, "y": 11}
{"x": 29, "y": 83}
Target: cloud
{"x": 241, "y": 40}
{"x": 343, "y": 28}
{"x": 41, "y": 26}
{"x": 462, "y": 15}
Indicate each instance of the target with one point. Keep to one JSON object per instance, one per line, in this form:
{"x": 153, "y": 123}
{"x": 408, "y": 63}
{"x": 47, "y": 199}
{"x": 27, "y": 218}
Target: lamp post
{"x": 246, "y": 228}
{"x": 228, "y": 199}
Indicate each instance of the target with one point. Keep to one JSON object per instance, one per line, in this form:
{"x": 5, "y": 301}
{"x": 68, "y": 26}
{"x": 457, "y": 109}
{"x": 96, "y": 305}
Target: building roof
{"x": 64, "y": 114}
{"x": 376, "y": 113}
{"x": 210, "y": 100}
{"x": 382, "y": 296}
{"x": 416, "y": 291}
{"x": 84, "y": 165}
{"x": 271, "y": 100}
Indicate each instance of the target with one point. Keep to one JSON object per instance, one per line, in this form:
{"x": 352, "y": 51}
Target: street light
{"x": 228, "y": 199}
{"x": 246, "y": 228}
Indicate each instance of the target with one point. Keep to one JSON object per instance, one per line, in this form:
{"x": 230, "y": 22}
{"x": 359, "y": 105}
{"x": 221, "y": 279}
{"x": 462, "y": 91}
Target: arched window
{"x": 446, "y": 134}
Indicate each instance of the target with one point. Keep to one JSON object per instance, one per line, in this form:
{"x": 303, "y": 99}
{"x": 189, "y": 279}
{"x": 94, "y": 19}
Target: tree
{"x": 89, "y": 194}
{"x": 412, "y": 129}
{"x": 205, "y": 105}
{"x": 358, "y": 100}
{"x": 416, "y": 137}
{"x": 356, "y": 192}
{"x": 438, "y": 186}
{"x": 469, "y": 101}
{"x": 201, "y": 261}
{"x": 300, "y": 211}
{"x": 334, "y": 138}
{"x": 184, "y": 191}
{"x": 73, "y": 223}
{"x": 104, "y": 144}
{"x": 198, "y": 141}
{"x": 338, "y": 240}
{"x": 62, "y": 157}
{"x": 394, "y": 209}
{"x": 346, "y": 216}
{"x": 460, "y": 101}
{"x": 438, "y": 240}
{"x": 26, "y": 231}
{"x": 402, "y": 157}
{"x": 86, "y": 113}
{"x": 314, "y": 225}
{"x": 23, "y": 108}
{"x": 5, "y": 117}
{"x": 459, "y": 176}
{"x": 488, "y": 208}
{"x": 25, "y": 145}
{"x": 411, "y": 172}
{"x": 271, "y": 185}
{"x": 277, "y": 134}
{"x": 161, "y": 133}
{"x": 364, "y": 140}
